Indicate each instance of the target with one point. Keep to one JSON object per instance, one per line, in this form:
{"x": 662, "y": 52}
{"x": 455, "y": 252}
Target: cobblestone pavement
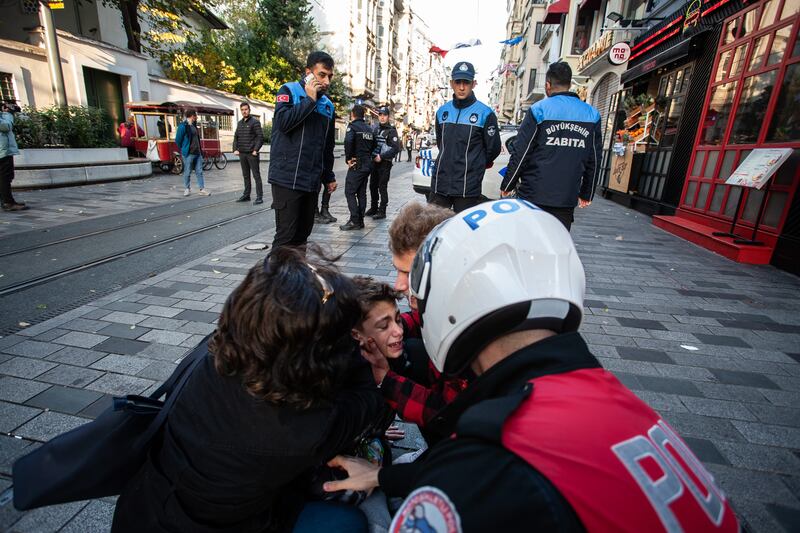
{"x": 713, "y": 345}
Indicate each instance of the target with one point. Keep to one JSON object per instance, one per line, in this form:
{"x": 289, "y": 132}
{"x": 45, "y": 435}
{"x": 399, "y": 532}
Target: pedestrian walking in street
{"x": 359, "y": 143}
{"x": 188, "y": 140}
{"x": 128, "y": 131}
{"x": 8, "y": 149}
{"x": 303, "y": 137}
{"x": 555, "y": 160}
{"x": 468, "y": 140}
{"x": 546, "y": 439}
{"x": 247, "y": 142}
{"x": 279, "y": 391}
{"x": 409, "y": 146}
{"x": 387, "y": 146}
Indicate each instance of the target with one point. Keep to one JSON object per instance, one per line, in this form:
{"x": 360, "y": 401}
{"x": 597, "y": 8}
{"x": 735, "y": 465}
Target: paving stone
{"x": 787, "y": 382}
{"x": 157, "y": 301}
{"x": 784, "y": 398}
{"x": 629, "y": 380}
{"x": 51, "y": 518}
{"x": 758, "y": 457}
{"x": 721, "y": 340}
{"x": 76, "y": 356}
{"x": 158, "y": 370}
{"x": 97, "y": 314}
{"x": 10, "y": 340}
{"x": 172, "y": 338}
{"x": 640, "y": 323}
{"x": 669, "y": 385}
{"x": 183, "y": 286}
{"x": 95, "y": 409}
{"x": 12, "y": 448}
{"x": 122, "y": 364}
{"x": 706, "y": 451}
{"x": 23, "y": 367}
{"x": 96, "y": 517}
{"x": 771, "y": 435}
{"x": 19, "y": 390}
{"x": 157, "y": 291}
{"x": 731, "y": 392}
{"x": 770, "y": 414}
{"x": 159, "y": 310}
{"x": 758, "y": 486}
{"x": 85, "y": 325}
{"x": 197, "y": 328}
{"x": 198, "y": 316}
{"x": 718, "y": 408}
{"x": 123, "y": 317}
{"x": 51, "y": 334}
{"x": 124, "y": 331}
{"x": 120, "y": 385}
{"x": 194, "y": 305}
{"x": 749, "y": 379}
{"x": 13, "y": 415}
{"x": 128, "y": 307}
{"x": 704, "y": 427}
{"x": 662, "y": 402}
{"x": 64, "y": 399}
{"x": 49, "y": 424}
{"x": 787, "y": 517}
{"x": 643, "y": 354}
{"x": 72, "y": 376}
{"x": 80, "y": 339}
{"x": 194, "y": 295}
{"x": 32, "y": 349}
{"x": 163, "y": 323}
{"x": 122, "y": 346}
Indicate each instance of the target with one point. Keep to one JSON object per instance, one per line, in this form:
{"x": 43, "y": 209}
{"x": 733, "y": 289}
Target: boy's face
{"x": 382, "y": 325}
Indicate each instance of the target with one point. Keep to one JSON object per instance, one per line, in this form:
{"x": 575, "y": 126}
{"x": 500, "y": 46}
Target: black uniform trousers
{"x": 355, "y": 190}
{"x": 294, "y": 216}
{"x": 326, "y": 197}
{"x": 6, "y": 177}
{"x": 456, "y": 203}
{"x": 379, "y": 185}
{"x": 250, "y": 163}
{"x": 565, "y": 215}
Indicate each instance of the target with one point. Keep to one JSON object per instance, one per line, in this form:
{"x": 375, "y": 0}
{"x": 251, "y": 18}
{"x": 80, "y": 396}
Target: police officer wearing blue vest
{"x": 556, "y": 156}
{"x": 468, "y": 141}
{"x": 301, "y": 157}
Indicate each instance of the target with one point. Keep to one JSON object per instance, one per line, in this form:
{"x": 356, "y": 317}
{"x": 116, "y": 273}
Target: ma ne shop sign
{"x": 597, "y": 49}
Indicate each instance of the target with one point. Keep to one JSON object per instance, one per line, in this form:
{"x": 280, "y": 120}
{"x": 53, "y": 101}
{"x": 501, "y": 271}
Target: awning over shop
{"x": 555, "y": 10}
{"x": 591, "y": 5}
{"x": 669, "y": 55}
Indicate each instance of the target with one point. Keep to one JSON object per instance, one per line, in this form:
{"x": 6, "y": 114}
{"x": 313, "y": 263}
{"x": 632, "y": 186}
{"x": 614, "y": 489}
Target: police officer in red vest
{"x": 544, "y": 439}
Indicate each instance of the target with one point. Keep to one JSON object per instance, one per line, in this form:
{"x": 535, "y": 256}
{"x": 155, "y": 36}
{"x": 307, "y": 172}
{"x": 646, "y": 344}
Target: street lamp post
{"x": 53, "y": 56}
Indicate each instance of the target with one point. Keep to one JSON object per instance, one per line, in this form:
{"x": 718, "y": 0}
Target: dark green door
{"x": 104, "y": 90}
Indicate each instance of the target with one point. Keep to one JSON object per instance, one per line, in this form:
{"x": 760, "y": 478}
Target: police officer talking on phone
{"x": 302, "y": 151}
{"x": 359, "y": 143}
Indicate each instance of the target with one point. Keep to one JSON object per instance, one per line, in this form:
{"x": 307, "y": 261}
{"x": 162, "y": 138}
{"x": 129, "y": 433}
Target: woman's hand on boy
{"x": 373, "y": 354}
{"x": 362, "y": 475}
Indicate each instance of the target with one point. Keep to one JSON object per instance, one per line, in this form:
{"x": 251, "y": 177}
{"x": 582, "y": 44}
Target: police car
{"x": 426, "y": 166}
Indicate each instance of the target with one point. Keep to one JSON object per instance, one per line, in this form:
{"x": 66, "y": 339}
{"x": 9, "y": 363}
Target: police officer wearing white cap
{"x": 468, "y": 142}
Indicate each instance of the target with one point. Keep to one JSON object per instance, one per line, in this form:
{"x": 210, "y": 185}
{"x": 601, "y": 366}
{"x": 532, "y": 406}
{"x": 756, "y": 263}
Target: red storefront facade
{"x": 753, "y": 101}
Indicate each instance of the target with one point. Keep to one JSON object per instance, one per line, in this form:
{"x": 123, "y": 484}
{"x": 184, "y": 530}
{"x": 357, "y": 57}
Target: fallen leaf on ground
{"x": 41, "y": 306}
{"x": 215, "y": 260}
{"x": 689, "y": 347}
{"x": 24, "y": 324}
{"x": 216, "y": 271}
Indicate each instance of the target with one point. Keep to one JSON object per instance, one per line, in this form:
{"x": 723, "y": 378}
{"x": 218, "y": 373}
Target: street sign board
{"x": 619, "y": 53}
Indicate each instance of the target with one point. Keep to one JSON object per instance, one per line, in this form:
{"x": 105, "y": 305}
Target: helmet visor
{"x": 420, "y": 276}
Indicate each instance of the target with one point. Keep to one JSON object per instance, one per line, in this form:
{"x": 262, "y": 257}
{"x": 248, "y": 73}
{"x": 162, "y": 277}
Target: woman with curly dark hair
{"x": 279, "y": 393}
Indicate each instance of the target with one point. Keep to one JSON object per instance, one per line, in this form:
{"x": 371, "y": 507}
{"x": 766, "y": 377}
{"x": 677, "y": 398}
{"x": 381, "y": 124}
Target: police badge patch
{"x": 444, "y": 115}
{"x": 427, "y": 509}
{"x": 473, "y": 118}
{"x": 463, "y": 67}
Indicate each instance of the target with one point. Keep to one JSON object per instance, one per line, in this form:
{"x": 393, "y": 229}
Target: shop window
{"x": 733, "y": 201}
{"x": 774, "y": 208}
{"x": 727, "y": 165}
{"x": 752, "y": 204}
{"x": 785, "y": 126}
{"x": 580, "y": 41}
{"x": 716, "y": 198}
{"x": 784, "y": 176}
{"x": 690, "y": 190}
{"x": 738, "y": 60}
{"x": 741, "y": 26}
{"x": 769, "y": 11}
{"x": 759, "y": 50}
{"x": 703, "y": 195}
{"x": 779, "y": 45}
{"x": 698, "y": 163}
{"x": 790, "y": 8}
{"x": 718, "y": 112}
{"x": 756, "y": 93}
{"x": 711, "y": 164}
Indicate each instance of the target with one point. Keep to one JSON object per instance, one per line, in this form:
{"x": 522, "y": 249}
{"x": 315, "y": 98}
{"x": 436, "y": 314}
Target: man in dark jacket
{"x": 557, "y": 442}
{"x": 247, "y": 141}
{"x": 468, "y": 141}
{"x": 556, "y": 156}
{"x": 387, "y": 145}
{"x": 359, "y": 143}
{"x": 301, "y": 153}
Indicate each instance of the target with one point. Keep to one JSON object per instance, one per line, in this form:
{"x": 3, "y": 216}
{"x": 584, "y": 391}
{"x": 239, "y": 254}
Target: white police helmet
{"x": 500, "y": 267}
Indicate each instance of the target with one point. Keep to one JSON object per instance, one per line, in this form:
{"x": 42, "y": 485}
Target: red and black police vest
{"x": 620, "y": 466}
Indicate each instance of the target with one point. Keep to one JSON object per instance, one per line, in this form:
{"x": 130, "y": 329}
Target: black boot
{"x": 319, "y": 219}
{"x": 326, "y": 215}
{"x": 371, "y": 211}
{"x": 380, "y": 214}
{"x": 351, "y": 225}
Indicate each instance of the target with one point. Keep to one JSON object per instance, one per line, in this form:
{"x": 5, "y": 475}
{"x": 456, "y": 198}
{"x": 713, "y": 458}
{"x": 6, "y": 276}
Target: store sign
{"x": 619, "y": 53}
{"x": 758, "y": 168}
{"x": 55, "y": 5}
{"x": 596, "y": 50}
{"x": 692, "y": 15}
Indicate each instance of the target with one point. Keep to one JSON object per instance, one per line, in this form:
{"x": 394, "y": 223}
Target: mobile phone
{"x": 309, "y": 77}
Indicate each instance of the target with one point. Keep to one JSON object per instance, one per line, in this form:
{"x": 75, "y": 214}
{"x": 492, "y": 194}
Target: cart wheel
{"x": 177, "y": 164}
{"x": 221, "y": 161}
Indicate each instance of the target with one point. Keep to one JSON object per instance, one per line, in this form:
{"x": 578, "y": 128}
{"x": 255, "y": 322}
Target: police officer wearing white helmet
{"x": 544, "y": 439}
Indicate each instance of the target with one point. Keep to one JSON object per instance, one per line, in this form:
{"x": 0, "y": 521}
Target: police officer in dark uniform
{"x": 359, "y": 143}
{"x": 303, "y": 138}
{"x": 545, "y": 439}
{"x": 556, "y": 156}
{"x": 387, "y": 145}
{"x": 468, "y": 141}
